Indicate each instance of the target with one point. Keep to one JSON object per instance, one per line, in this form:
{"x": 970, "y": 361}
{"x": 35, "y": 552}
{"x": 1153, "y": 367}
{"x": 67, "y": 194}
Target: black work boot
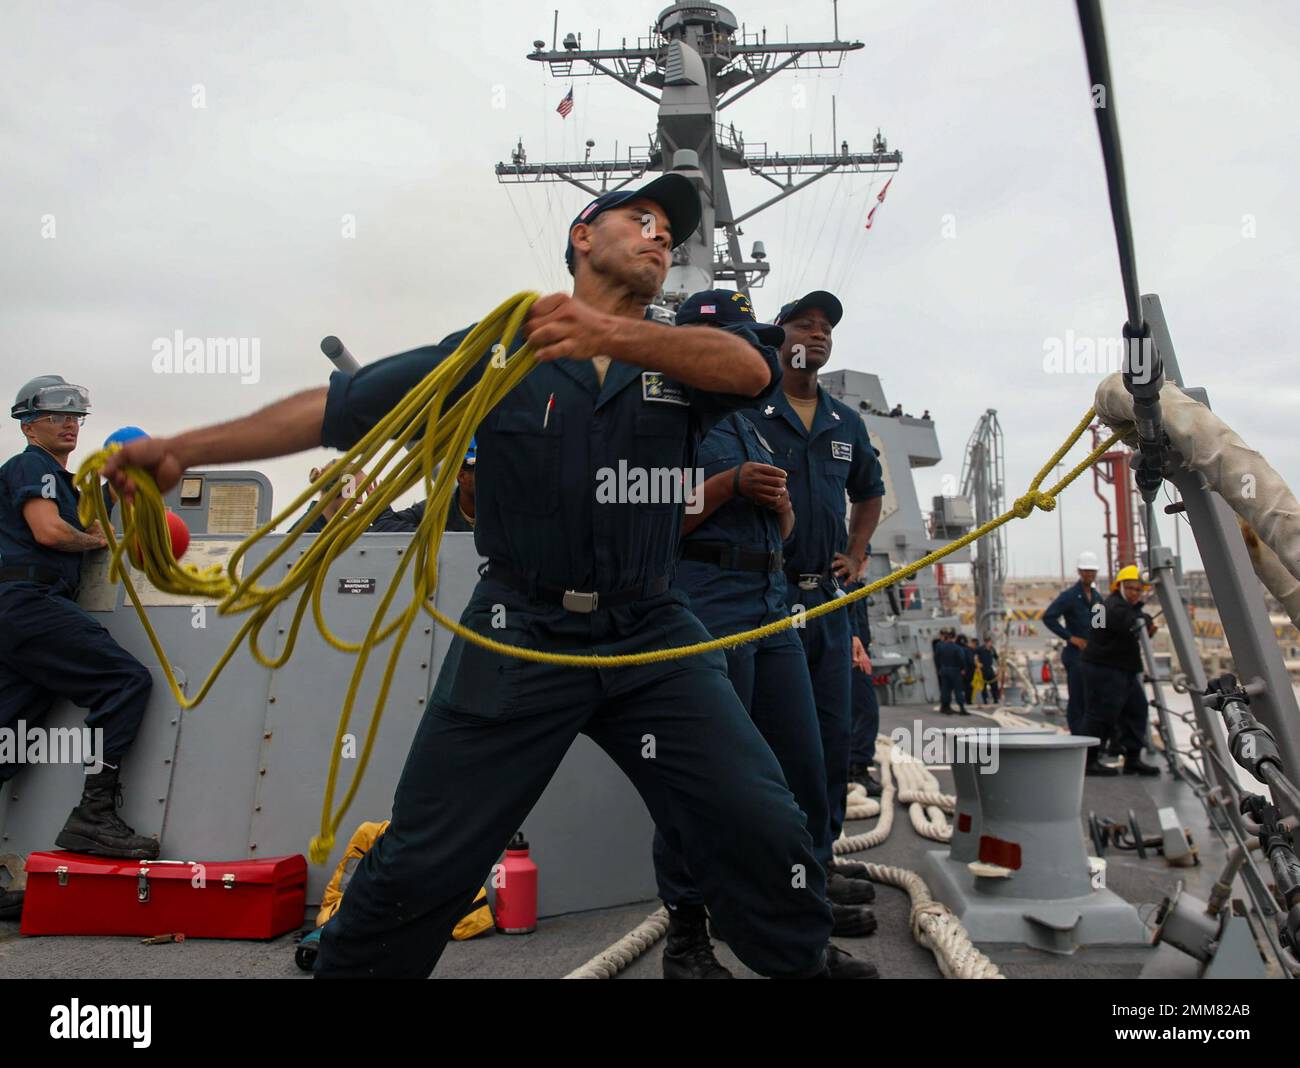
{"x": 853, "y": 921}
{"x": 843, "y": 889}
{"x": 842, "y": 965}
{"x": 861, "y": 774}
{"x": 94, "y": 826}
{"x": 1094, "y": 766}
{"x": 11, "y": 905}
{"x": 688, "y": 953}
{"x": 1135, "y": 765}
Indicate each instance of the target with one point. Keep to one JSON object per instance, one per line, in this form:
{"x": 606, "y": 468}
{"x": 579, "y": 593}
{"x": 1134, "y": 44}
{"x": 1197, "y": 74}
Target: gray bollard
{"x": 1029, "y": 815}
{"x": 966, "y": 820}
{"x": 1017, "y": 869}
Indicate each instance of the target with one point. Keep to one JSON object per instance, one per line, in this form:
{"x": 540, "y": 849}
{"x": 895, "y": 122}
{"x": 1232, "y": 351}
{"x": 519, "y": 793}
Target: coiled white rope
{"x": 613, "y": 959}
{"x": 860, "y": 806}
{"x": 930, "y": 822}
{"x": 884, "y": 806}
{"x": 919, "y": 789}
{"x": 935, "y": 927}
{"x": 933, "y": 924}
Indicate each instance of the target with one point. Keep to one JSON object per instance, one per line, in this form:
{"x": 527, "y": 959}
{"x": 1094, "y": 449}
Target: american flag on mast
{"x": 566, "y": 105}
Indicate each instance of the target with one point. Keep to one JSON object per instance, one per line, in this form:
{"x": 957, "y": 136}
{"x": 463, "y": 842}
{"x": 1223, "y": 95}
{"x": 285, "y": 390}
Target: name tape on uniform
{"x": 656, "y": 387}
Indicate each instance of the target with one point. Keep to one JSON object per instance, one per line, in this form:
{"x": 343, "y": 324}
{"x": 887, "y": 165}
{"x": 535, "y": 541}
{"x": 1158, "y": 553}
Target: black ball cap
{"x": 675, "y": 193}
{"x": 828, "y": 303}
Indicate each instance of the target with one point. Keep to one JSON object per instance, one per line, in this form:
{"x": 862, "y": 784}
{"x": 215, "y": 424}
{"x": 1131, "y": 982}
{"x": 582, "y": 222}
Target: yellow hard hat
{"x": 1127, "y": 574}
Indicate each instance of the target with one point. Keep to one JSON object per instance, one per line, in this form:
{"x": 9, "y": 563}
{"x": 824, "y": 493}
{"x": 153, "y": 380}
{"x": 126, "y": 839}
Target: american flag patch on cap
{"x": 708, "y": 309}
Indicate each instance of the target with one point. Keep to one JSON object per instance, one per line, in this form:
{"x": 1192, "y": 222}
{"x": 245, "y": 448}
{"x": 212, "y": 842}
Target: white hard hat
{"x": 1088, "y": 561}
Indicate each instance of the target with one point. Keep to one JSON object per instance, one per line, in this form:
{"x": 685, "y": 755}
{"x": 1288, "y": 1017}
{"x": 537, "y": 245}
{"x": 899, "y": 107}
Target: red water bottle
{"x": 517, "y": 889}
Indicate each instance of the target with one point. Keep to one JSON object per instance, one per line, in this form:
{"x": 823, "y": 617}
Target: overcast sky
{"x": 127, "y": 213}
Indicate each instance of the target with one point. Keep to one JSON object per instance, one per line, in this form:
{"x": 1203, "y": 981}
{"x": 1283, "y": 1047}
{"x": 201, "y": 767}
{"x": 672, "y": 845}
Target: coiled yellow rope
{"x": 420, "y": 415}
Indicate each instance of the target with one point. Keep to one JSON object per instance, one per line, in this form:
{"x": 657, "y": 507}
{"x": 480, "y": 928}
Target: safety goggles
{"x": 64, "y": 398}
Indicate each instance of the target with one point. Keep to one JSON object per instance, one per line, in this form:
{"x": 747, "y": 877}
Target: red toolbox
{"x": 78, "y": 894}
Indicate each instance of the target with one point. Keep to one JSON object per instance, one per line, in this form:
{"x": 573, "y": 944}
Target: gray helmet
{"x": 50, "y": 394}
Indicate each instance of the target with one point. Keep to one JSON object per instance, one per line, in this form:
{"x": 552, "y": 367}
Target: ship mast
{"x": 695, "y": 62}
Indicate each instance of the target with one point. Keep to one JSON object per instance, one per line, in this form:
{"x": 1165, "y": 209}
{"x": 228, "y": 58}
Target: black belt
{"x": 574, "y": 600}
{"x": 47, "y": 576}
{"x": 732, "y": 557}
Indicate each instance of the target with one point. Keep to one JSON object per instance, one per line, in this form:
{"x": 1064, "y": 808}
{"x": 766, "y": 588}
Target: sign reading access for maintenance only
{"x": 356, "y": 585}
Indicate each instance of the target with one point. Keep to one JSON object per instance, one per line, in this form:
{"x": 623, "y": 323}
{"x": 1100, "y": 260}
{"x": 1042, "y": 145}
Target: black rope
{"x": 1094, "y": 44}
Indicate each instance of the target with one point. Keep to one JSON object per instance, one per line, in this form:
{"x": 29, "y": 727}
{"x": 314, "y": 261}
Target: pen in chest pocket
{"x": 546, "y": 415}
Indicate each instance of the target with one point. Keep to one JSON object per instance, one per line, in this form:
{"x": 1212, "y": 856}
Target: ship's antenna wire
{"x": 860, "y": 230}
{"x": 533, "y": 232}
{"x": 815, "y": 260}
{"x": 839, "y": 230}
{"x": 817, "y": 242}
{"x": 546, "y": 131}
{"x": 851, "y": 266}
{"x": 786, "y": 211}
{"x": 839, "y": 205}
{"x": 523, "y": 229}
{"x": 804, "y": 203}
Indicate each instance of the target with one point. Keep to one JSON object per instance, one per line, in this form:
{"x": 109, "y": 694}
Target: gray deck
{"x": 562, "y": 943}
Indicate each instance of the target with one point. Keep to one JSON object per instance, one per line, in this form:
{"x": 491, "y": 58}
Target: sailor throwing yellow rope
{"x": 572, "y": 583}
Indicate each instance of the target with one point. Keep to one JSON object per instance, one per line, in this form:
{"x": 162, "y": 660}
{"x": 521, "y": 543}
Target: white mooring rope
{"x": 613, "y": 959}
{"x": 933, "y": 924}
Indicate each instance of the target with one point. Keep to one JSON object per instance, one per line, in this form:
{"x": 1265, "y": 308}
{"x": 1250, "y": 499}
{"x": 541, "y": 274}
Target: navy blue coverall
{"x": 968, "y": 671}
{"x": 1112, "y": 665}
{"x": 949, "y": 662}
{"x": 496, "y": 728}
{"x": 49, "y": 645}
{"x": 1070, "y": 616}
{"x": 770, "y": 676}
{"x": 866, "y": 702}
{"x": 821, "y": 466}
